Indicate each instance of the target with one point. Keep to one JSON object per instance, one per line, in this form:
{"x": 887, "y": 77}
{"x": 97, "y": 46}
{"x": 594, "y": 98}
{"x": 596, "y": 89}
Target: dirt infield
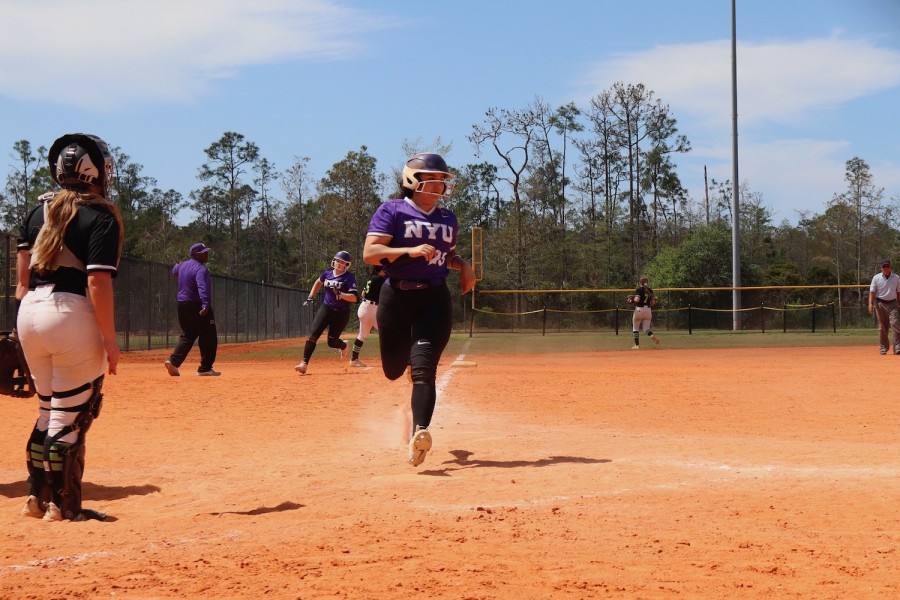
{"x": 739, "y": 473}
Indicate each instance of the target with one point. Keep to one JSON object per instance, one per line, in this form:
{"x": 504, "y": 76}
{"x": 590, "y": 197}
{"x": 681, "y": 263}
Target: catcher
{"x": 68, "y": 253}
{"x": 643, "y": 301}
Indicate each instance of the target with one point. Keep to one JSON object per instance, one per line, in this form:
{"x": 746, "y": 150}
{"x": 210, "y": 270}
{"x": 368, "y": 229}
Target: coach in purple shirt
{"x": 195, "y": 313}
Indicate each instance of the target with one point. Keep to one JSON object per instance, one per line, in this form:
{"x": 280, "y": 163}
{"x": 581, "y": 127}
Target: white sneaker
{"x": 301, "y": 368}
{"x": 357, "y": 363}
{"x": 33, "y": 508}
{"x": 343, "y": 350}
{"x": 635, "y": 347}
{"x": 209, "y": 373}
{"x": 419, "y": 446}
{"x": 53, "y": 513}
{"x": 172, "y": 369}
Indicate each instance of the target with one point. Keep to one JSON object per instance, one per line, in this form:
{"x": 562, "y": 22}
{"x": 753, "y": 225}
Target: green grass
{"x": 602, "y": 341}
{"x": 519, "y": 343}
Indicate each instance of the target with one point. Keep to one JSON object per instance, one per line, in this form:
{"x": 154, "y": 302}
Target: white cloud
{"x": 777, "y": 82}
{"x": 113, "y": 51}
{"x": 792, "y": 175}
{"x": 789, "y": 94}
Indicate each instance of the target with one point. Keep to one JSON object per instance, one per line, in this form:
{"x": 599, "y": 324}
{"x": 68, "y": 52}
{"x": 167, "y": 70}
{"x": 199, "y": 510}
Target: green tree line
{"x": 568, "y": 197}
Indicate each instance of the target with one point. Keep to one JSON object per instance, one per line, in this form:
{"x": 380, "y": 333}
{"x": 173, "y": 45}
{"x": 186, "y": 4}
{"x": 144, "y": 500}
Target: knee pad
{"x": 421, "y": 362}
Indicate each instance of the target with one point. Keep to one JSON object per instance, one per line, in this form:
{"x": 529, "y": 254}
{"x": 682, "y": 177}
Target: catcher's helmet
{"x": 78, "y": 160}
{"x": 425, "y": 162}
{"x": 342, "y": 256}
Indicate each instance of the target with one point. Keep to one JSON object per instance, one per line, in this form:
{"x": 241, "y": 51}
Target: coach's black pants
{"x": 193, "y": 326}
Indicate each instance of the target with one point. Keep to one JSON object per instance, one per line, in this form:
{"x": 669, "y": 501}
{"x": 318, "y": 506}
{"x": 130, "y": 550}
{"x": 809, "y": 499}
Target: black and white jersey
{"x": 90, "y": 244}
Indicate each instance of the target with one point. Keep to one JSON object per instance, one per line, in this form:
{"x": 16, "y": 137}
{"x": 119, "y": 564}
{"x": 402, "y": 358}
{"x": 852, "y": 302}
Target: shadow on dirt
{"x": 89, "y": 491}
{"x": 463, "y": 460}
{"x": 262, "y": 510}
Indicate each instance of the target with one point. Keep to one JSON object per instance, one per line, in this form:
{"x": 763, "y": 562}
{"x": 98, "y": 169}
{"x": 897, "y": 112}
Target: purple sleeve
{"x": 204, "y": 287}
{"x": 381, "y": 222}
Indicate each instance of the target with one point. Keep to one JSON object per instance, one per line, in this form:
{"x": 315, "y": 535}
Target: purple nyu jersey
{"x": 408, "y": 226}
{"x": 345, "y": 283}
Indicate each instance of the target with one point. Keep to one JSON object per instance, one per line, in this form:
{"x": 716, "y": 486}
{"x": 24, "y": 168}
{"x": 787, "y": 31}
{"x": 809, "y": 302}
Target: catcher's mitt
{"x": 15, "y": 378}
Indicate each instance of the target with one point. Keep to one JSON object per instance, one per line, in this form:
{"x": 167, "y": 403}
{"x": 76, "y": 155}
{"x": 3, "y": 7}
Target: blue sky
{"x": 818, "y": 80}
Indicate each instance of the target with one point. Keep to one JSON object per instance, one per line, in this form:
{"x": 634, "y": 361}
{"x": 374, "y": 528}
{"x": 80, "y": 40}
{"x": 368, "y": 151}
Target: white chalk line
{"x": 444, "y": 381}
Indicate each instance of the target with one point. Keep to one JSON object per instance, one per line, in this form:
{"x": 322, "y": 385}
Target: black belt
{"x": 886, "y": 301}
{"x": 404, "y": 284}
{"x": 68, "y": 288}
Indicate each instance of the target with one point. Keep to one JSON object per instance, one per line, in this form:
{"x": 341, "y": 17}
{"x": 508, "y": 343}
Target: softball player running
{"x": 366, "y": 313}
{"x": 334, "y": 314}
{"x": 68, "y": 254}
{"x": 415, "y": 240}
{"x": 643, "y": 300}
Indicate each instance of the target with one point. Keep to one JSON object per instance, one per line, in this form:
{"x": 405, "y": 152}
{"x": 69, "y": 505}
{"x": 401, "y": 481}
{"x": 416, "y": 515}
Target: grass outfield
{"x": 534, "y": 343}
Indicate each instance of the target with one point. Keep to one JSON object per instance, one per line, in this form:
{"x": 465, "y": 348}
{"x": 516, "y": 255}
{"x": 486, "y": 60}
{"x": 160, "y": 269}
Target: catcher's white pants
{"x": 366, "y": 313}
{"x": 641, "y": 318}
{"x": 64, "y": 350}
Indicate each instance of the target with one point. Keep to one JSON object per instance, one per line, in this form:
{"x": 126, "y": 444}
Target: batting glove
{"x": 308, "y": 301}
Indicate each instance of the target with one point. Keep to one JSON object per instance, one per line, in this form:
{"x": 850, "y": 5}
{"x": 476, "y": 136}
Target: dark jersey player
{"x": 415, "y": 239}
{"x": 334, "y": 314}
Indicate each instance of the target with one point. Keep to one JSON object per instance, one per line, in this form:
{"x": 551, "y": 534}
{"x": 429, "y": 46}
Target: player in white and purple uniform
{"x": 334, "y": 314}
{"x": 368, "y": 306}
{"x": 415, "y": 240}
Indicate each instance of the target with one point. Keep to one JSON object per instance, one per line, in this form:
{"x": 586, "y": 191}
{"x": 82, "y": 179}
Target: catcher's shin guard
{"x": 72, "y": 470}
{"x": 37, "y": 480}
{"x": 64, "y": 463}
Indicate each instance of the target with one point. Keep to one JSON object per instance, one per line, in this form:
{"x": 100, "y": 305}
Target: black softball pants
{"x": 326, "y": 318}
{"x": 413, "y": 329}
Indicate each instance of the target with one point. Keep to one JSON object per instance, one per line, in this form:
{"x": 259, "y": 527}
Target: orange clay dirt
{"x": 744, "y": 473}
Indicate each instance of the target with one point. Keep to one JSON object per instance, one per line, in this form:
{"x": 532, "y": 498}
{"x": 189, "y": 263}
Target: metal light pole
{"x": 735, "y": 193}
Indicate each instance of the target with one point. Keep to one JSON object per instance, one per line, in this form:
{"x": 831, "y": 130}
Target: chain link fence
{"x": 146, "y": 305}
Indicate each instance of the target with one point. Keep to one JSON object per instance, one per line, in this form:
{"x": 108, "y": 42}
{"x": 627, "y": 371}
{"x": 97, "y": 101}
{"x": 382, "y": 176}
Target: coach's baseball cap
{"x": 885, "y": 262}
{"x": 198, "y": 248}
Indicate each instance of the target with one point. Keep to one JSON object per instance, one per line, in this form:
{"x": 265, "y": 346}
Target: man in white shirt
{"x": 883, "y": 294}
